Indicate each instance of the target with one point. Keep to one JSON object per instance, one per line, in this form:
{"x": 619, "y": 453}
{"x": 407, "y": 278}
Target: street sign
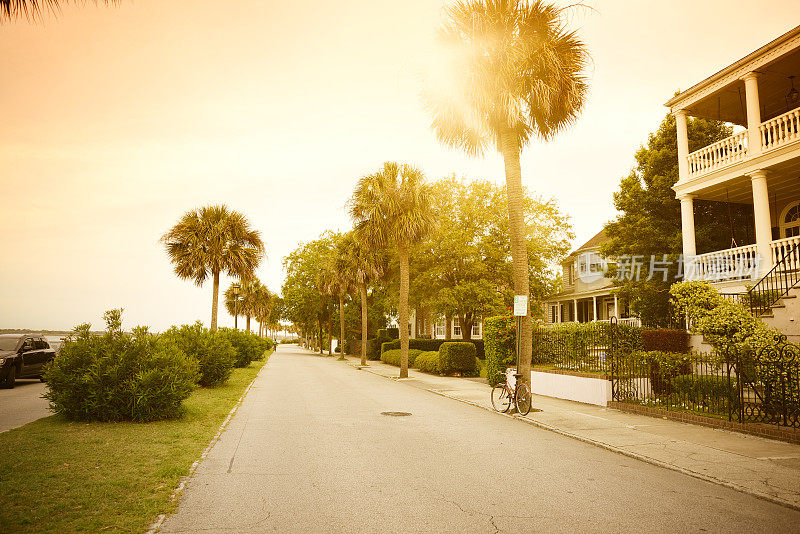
{"x": 520, "y": 305}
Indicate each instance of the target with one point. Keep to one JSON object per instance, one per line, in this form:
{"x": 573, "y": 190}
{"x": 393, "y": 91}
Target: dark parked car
{"x": 23, "y": 356}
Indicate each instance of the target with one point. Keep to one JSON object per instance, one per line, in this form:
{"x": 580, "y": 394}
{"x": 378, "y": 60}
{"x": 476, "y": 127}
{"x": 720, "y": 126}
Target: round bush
{"x": 392, "y": 357}
{"x": 119, "y": 377}
{"x": 248, "y": 346}
{"x": 213, "y": 352}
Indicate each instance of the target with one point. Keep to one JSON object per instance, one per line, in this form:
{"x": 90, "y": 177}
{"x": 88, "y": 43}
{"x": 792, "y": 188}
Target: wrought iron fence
{"x": 583, "y": 347}
{"x": 751, "y": 386}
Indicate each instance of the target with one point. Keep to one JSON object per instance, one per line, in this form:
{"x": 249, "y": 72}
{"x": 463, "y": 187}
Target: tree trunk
{"x": 341, "y": 326}
{"x": 466, "y": 327}
{"x": 363, "y": 290}
{"x": 403, "y": 307}
{"x": 215, "y": 303}
{"x": 519, "y": 249}
{"x": 330, "y": 331}
{"x": 448, "y": 327}
{"x": 321, "y": 335}
{"x": 248, "y": 323}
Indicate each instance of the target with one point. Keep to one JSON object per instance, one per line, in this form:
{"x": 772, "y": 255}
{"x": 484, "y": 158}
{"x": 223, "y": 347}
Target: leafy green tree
{"x": 649, "y": 223}
{"x": 463, "y": 268}
{"x": 516, "y": 74}
{"x": 213, "y": 240}
{"x": 392, "y": 208}
{"x": 364, "y": 267}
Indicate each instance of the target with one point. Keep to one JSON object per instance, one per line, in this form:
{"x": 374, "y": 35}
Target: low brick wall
{"x": 756, "y": 429}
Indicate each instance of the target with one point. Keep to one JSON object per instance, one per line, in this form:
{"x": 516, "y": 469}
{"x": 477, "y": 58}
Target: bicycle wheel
{"x": 523, "y": 399}
{"x": 501, "y": 400}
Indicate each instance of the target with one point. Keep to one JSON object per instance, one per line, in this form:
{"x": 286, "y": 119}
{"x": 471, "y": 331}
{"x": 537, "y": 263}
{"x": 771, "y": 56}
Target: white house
{"x": 422, "y": 324}
{"x": 587, "y": 294}
{"x": 758, "y": 165}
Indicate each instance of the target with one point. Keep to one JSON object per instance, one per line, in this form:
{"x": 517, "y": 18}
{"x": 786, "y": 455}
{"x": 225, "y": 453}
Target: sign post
{"x": 520, "y": 311}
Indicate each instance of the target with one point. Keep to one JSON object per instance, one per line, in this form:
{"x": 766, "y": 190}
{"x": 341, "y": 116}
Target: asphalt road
{"x": 22, "y": 404}
{"x": 309, "y": 451}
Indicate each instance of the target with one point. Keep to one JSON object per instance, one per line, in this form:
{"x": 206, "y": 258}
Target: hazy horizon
{"x": 117, "y": 120}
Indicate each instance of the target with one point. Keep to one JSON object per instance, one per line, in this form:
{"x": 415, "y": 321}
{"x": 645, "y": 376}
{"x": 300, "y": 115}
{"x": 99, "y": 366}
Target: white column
{"x": 594, "y": 309}
{"x": 683, "y": 145}
{"x": 575, "y": 310}
{"x": 687, "y": 233}
{"x": 616, "y": 306}
{"x": 753, "y": 113}
{"x": 758, "y": 180}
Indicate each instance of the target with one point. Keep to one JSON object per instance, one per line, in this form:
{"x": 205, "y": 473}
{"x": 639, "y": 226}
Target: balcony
{"x": 773, "y": 134}
{"x": 741, "y": 263}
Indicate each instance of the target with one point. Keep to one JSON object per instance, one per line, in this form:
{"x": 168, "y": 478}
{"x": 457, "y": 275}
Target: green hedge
{"x": 498, "y": 338}
{"x": 249, "y": 347}
{"x": 428, "y": 361}
{"x": 426, "y": 345}
{"x": 676, "y": 341}
{"x": 392, "y": 357}
{"x": 457, "y": 357}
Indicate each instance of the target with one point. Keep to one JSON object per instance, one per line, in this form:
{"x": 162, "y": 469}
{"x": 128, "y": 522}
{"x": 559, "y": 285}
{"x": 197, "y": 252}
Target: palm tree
{"x": 213, "y": 240}
{"x": 249, "y": 294}
{"x": 341, "y": 277}
{"x": 30, "y": 9}
{"x": 365, "y": 268}
{"x": 233, "y": 302}
{"x": 392, "y": 207}
{"x": 516, "y": 73}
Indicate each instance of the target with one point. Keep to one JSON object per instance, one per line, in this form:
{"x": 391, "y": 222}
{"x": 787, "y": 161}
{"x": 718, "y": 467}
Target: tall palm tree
{"x": 30, "y": 9}
{"x": 249, "y": 295}
{"x": 392, "y": 207}
{"x": 341, "y": 279}
{"x": 365, "y": 267}
{"x": 516, "y": 73}
{"x": 213, "y": 240}
{"x": 233, "y": 302}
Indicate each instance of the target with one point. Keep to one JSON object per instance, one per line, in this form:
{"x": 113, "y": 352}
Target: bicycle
{"x": 503, "y": 396}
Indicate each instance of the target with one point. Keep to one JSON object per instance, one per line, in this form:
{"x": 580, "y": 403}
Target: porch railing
{"x": 776, "y": 283}
{"x": 780, "y": 247}
{"x": 722, "y": 153}
{"x": 781, "y": 130}
{"x": 732, "y": 264}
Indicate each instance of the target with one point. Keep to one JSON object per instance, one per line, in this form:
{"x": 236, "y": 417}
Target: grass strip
{"x": 62, "y": 476}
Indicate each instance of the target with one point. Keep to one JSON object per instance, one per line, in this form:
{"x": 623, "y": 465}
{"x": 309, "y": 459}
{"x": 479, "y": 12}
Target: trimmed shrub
{"x": 393, "y": 333}
{"x": 426, "y": 345}
{"x": 212, "y": 351}
{"x": 499, "y": 337}
{"x": 119, "y": 377}
{"x": 392, "y": 357}
{"x": 428, "y": 361}
{"x": 676, "y": 341}
{"x": 457, "y": 357}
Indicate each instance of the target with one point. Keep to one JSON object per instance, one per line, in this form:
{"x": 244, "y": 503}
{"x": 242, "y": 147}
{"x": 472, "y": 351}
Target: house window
{"x": 456, "y": 327}
{"x": 440, "y": 326}
{"x": 476, "y": 328}
{"x": 553, "y": 314}
{"x": 790, "y": 225}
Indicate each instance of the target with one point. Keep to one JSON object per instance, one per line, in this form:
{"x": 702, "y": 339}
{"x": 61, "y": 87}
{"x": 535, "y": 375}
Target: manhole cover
{"x": 396, "y": 414}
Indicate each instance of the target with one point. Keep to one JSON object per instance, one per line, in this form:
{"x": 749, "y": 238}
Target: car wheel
{"x": 11, "y": 378}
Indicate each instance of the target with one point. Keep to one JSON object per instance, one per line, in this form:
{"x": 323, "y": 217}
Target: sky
{"x": 114, "y": 121}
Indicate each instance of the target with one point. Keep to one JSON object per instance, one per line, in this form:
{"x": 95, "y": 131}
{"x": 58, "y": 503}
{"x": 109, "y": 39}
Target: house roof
{"x": 732, "y": 67}
{"x": 598, "y": 239}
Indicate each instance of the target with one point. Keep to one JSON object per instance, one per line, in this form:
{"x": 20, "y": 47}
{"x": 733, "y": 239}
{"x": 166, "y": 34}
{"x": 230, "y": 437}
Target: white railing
{"x": 732, "y": 264}
{"x": 632, "y": 321}
{"x": 730, "y": 150}
{"x": 783, "y": 247}
{"x": 780, "y": 131}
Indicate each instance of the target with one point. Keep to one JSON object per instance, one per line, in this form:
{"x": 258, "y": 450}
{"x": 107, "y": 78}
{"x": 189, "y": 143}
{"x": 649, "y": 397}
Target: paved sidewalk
{"x": 765, "y": 468}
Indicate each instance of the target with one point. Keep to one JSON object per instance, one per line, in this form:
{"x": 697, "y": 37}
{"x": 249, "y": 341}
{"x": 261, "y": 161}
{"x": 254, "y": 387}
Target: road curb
{"x": 185, "y": 479}
{"x": 606, "y": 446}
